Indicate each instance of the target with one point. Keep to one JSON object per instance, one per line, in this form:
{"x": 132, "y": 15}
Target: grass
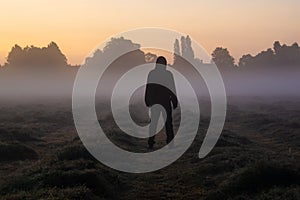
{"x": 258, "y": 178}
{"x": 43, "y": 158}
{"x": 74, "y": 152}
{"x": 78, "y": 192}
{"x": 13, "y": 152}
{"x": 61, "y": 177}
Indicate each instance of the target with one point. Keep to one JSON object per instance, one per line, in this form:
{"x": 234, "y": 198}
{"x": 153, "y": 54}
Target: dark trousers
{"x": 166, "y": 110}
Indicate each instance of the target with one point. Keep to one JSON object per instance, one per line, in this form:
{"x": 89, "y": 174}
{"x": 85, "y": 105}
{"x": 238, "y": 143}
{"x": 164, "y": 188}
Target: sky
{"x": 78, "y": 26}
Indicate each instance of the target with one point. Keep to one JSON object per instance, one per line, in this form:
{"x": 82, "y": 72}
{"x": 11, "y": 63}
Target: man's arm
{"x": 174, "y": 99}
{"x": 148, "y": 93}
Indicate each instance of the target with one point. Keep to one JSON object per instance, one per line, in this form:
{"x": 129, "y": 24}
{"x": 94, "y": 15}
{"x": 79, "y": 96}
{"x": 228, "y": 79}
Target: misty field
{"x": 257, "y": 156}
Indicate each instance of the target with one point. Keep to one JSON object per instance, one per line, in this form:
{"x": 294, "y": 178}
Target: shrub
{"x": 74, "y": 152}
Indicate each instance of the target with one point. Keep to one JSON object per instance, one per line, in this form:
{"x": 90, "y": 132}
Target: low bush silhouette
{"x": 74, "y": 152}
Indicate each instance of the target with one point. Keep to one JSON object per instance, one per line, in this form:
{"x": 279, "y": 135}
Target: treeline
{"x": 31, "y": 56}
{"x": 51, "y": 55}
{"x": 279, "y": 55}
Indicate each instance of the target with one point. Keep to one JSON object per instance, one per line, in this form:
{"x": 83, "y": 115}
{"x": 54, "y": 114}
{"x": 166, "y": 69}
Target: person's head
{"x": 161, "y": 61}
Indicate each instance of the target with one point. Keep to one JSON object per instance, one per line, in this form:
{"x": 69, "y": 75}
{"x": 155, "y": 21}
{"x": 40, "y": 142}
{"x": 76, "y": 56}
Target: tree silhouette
{"x": 245, "y": 60}
{"x": 265, "y": 57}
{"x": 287, "y": 54}
{"x": 36, "y": 57}
{"x": 176, "y": 50}
{"x": 186, "y": 48}
{"x": 185, "y": 52}
{"x": 15, "y": 56}
{"x": 183, "y": 46}
{"x": 189, "y": 50}
{"x": 117, "y": 46}
{"x": 55, "y": 55}
{"x": 277, "y": 47}
{"x": 222, "y": 58}
{"x": 280, "y": 55}
{"x": 150, "y": 57}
